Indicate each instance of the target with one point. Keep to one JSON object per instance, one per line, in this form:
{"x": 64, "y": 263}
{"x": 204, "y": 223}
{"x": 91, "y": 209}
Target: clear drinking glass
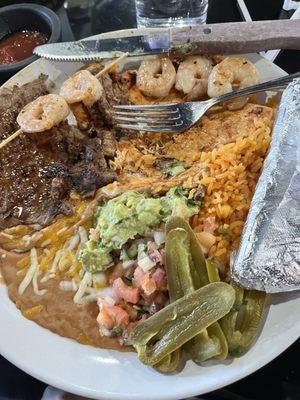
{"x": 167, "y": 13}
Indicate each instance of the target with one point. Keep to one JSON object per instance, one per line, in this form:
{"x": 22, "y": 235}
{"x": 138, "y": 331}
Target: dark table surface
{"x": 279, "y": 380}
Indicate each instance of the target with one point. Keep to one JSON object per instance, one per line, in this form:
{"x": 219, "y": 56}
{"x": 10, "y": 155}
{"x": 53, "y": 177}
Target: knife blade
{"x": 226, "y": 38}
{"x": 92, "y": 50}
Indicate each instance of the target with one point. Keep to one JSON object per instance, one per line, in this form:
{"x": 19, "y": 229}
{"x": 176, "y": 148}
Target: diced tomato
{"x": 138, "y": 276}
{"x": 153, "y": 253}
{"x": 143, "y": 280}
{"x": 112, "y": 316}
{"x": 149, "y": 286}
{"x": 123, "y": 291}
{"x": 209, "y": 225}
{"x": 159, "y": 277}
{"x": 105, "y": 319}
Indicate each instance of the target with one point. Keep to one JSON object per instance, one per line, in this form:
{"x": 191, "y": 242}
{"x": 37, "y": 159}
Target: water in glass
{"x": 167, "y": 13}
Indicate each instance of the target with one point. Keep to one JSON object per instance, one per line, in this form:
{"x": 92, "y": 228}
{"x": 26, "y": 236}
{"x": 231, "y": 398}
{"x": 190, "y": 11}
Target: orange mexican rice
{"x": 229, "y": 148}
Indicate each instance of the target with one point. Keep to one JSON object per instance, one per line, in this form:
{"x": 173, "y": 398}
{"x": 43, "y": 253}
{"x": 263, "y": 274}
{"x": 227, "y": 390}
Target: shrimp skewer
{"x": 10, "y": 138}
{"x": 112, "y": 64}
{"x": 85, "y": 87}
{"x": 81, "y": 87}
{"x": 40, "y": 115}
{"x": 82, "y": 90}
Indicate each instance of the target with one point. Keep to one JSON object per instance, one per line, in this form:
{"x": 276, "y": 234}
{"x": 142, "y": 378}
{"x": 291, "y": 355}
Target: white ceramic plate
{"x": 107, "y": 374}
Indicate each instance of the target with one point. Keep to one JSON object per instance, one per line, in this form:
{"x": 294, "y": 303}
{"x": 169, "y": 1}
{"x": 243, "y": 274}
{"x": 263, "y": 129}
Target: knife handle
{"x": 236, "y": 37}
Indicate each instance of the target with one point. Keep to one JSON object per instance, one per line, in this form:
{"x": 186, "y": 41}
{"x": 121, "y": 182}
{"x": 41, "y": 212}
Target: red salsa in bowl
{"x": 25, "y": 26}
{"x": 19, "y": 45}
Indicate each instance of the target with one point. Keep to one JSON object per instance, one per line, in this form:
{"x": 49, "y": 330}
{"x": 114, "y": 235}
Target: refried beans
{"x": 58, "y": 312}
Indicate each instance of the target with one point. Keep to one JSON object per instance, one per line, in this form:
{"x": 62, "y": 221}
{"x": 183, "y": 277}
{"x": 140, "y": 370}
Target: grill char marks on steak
{"x": 114, "y": 95}
{"x": 92, "y": 172}
{"x": 108, "y": 143}
{"x": 38, "y": 171}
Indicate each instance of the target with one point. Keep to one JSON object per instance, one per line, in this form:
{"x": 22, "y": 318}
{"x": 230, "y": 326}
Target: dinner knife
{"x": 225, "y": 38}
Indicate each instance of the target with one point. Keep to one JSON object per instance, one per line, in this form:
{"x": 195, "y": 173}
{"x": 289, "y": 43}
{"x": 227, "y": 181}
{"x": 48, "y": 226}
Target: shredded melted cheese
{"x": 68, "y": 285}
{"x": 32, "y": 275}
{"x": 84, "y": 284}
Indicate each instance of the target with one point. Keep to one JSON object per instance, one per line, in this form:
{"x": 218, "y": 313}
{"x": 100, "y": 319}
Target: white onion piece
{"x": 141, "y": 251}
{"x": 128, "y": 263}
{"x": 104, "y": 331}
{"x": 146, "y": 263}
{"x": 159, "y": 237}
{"x": 123, "y": 255}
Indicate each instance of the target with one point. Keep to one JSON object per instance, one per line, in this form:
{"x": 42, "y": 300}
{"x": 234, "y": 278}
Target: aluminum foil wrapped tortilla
{"x": 268, "y": 258}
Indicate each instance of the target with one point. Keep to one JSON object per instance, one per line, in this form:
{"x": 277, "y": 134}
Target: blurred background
{"x": 82, "y": 18}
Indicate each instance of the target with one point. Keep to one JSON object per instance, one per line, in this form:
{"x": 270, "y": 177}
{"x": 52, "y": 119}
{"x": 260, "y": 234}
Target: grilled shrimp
{"x": 82, "y": 87}
{"x": 156, "y": 77}
{"x": 43, "y": 113}
{"x": 231, "y": 71}
{"x": 192, "y": 76}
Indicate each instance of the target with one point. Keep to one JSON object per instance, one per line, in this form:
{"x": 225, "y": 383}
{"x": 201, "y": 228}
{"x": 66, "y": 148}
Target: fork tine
{"x": 145, "y": 114}
{"x": 145, "y": 108}
{"x": 148, "y": 120}
{"x": 152, "y": 128}
{"x": 147, "y": 128}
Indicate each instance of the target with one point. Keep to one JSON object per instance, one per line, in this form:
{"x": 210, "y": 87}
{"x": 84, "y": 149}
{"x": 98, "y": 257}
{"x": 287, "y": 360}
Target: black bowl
{"x": 21, "y": 17}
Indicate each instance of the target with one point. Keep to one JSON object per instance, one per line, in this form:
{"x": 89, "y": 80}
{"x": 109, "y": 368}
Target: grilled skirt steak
{"x": 38, "y": 171}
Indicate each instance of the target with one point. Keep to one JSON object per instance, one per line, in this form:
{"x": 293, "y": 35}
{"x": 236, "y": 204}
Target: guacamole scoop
{"x": 127, "y": 216}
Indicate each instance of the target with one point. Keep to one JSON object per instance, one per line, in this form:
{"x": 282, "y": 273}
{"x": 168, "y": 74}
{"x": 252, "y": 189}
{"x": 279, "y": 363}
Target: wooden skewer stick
{"x": 10, "y": 138}
{"x": 112, "y": 64}
{"x": 105, "y": 69}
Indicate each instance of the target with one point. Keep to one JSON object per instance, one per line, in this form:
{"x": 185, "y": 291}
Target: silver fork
{"x": 177, "y": 117}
